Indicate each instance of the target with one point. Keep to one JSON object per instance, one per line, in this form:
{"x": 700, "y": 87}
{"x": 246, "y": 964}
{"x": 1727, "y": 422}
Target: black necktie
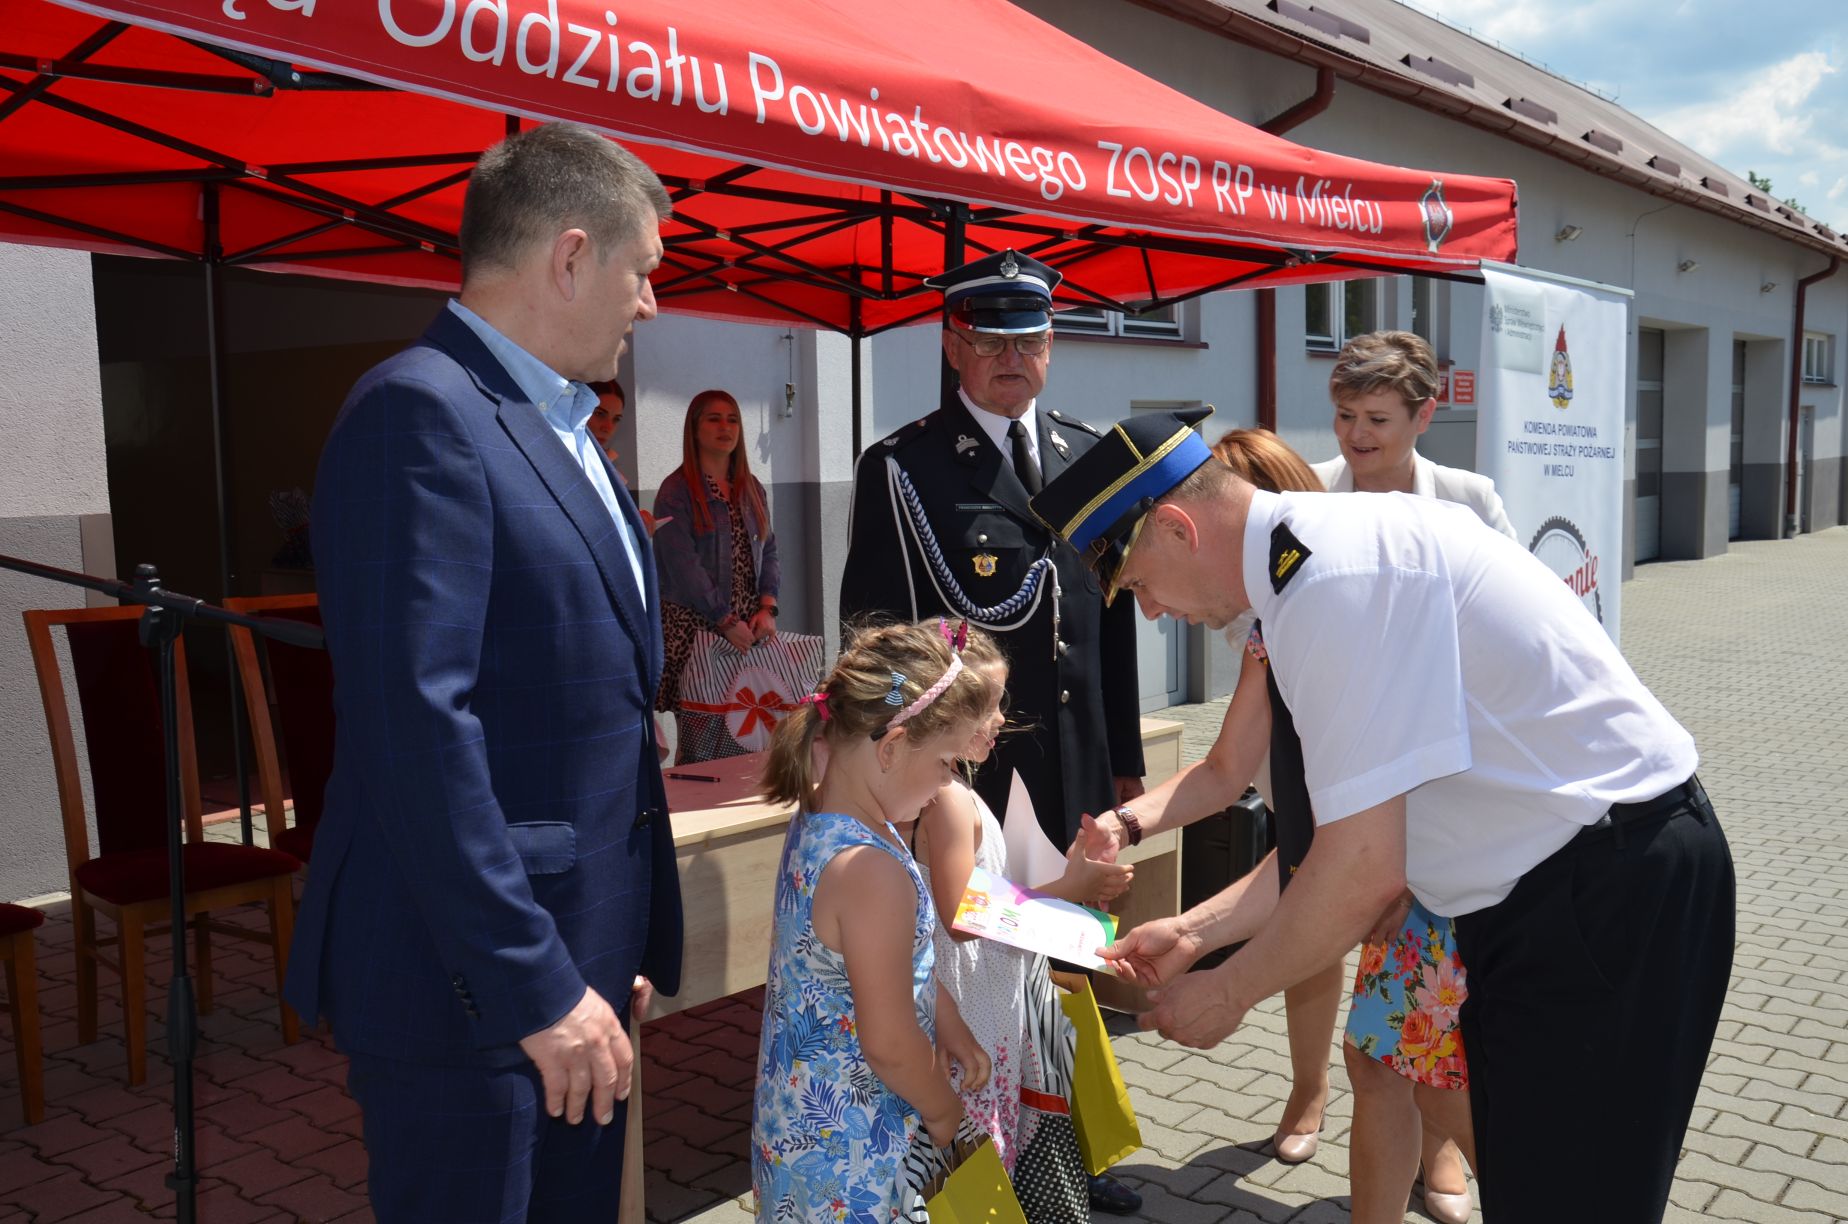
{"x": 1024, "y": 467}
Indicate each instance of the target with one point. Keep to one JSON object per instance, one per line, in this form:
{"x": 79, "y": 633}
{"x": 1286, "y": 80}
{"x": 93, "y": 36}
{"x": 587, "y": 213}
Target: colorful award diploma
{"x": 997, "y": 908}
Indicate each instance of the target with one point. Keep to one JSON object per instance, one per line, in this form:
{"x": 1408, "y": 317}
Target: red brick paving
{"x": 345, "y": 1164}
{"x": 147, "y": 1185}
{"x": 316, "y": 1198}
{"x": 326, "y": 1106}
{"x": 259, "y": 1172}
{"x": 60, "y": 1197}
{"x": 110, "y": 1158}
{"x": 119, "y": 1212}
{"x": 222, "y": 1204}
{"x": 278, "y": 1139}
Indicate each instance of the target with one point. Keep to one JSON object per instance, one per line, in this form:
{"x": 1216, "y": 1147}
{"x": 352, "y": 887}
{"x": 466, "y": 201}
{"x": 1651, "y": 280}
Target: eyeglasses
{"x": 1031, "y": 344}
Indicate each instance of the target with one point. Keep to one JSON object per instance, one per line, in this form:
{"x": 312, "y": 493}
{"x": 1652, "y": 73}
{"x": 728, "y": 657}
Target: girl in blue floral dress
{"x": 858, "y": 1038}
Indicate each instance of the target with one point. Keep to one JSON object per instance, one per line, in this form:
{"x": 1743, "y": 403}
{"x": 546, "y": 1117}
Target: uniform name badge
{"x": 985, "y": 565}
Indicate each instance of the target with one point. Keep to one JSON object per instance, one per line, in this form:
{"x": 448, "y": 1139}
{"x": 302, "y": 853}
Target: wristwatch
{"x": 770, "y": 608}
{"x": 1131, "y": 825}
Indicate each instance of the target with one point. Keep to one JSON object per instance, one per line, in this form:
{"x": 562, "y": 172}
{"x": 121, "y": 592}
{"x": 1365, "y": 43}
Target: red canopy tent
{"x": 823, "y": 154}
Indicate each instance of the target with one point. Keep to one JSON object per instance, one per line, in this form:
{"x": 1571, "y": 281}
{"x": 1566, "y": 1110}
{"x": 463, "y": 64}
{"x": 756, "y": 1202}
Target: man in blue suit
{"x": 494, "y": 874}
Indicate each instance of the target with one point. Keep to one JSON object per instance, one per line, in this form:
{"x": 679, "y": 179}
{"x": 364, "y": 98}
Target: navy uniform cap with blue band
{"x": 1004, "y": 294}
{"x": 1098, "y": 503}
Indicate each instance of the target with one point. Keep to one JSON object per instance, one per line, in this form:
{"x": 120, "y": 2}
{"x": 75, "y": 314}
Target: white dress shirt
{"x": 566, "y": 406}
{"x": 996, "y": 426}
{"x": 1426, "y": 655}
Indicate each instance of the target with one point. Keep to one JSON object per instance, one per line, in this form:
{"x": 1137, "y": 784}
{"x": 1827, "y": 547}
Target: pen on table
{"x": 690, "y": 777}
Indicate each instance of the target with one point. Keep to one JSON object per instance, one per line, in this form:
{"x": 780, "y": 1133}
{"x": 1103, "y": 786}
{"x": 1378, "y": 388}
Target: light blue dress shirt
{"x": 566, "y": 406}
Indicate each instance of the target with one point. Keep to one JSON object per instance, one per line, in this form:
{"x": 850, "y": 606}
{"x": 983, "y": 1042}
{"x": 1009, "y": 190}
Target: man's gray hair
{"x": 538, "y": 183}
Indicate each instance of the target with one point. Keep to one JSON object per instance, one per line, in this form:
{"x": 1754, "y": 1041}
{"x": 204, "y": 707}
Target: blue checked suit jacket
{"x": 495, "y": 835}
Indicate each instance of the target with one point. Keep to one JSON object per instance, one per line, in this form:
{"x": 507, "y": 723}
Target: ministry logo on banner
{"x": 1550, "y": 432}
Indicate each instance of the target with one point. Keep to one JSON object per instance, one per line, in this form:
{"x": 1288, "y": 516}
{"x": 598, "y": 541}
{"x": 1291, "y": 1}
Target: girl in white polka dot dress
{"x": 1004, "y": 993}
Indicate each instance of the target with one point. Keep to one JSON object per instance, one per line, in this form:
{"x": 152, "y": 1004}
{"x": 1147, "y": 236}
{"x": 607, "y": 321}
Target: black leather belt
{"x": 1688, "y": 794}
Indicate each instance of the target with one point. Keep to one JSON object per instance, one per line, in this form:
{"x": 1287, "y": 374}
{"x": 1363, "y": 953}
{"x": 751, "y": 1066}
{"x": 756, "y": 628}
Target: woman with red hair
{"x": 715, "y": 554}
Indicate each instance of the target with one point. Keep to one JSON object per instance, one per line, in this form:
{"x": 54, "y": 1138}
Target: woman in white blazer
{"x": 1377, "y": 430}
{"x": 1428, "y": 479}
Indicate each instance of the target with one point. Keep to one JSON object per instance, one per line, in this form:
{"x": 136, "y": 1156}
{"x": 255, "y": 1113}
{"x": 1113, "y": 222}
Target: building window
{"x": 1336, "y": 312}
{"x": 1161, "y": 323}
{"x": 1817, "y": 366}
{"x": 1424, "y": 309}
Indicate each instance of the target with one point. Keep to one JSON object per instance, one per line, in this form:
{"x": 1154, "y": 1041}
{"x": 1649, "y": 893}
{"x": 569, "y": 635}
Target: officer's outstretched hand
{"x": 1103, "y": 836}
{"x": 1154, "y": 953}
{"x": 1195, "y": 1011}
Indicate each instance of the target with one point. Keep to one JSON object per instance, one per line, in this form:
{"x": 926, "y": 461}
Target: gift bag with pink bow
{"x": 747, "y": 693}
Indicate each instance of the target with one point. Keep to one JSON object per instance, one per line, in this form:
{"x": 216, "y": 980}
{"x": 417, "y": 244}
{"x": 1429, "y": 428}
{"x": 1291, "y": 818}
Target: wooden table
{"x": 728, "y": 840}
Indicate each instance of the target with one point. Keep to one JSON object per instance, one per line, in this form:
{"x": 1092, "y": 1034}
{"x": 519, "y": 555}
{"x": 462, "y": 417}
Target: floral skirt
{"x": 1407, "y": 997}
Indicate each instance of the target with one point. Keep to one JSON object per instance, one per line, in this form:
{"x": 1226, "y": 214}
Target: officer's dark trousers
{"x": 474, "y": 1145}
{"x": 1594, "y": 991}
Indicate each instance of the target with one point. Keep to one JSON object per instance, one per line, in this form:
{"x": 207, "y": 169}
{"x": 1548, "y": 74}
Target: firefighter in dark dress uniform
{"x": 941, "y": 527}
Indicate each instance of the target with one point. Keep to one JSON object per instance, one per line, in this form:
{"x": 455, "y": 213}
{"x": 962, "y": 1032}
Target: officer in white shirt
{"x": 1467, "y": 729}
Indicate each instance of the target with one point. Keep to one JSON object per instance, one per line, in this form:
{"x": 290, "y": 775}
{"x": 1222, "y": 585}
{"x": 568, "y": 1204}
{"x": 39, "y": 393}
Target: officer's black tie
{"x": 1024, "y": 467}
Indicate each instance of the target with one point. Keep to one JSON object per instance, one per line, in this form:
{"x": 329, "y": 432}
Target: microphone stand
{"x": 165, "y": 613}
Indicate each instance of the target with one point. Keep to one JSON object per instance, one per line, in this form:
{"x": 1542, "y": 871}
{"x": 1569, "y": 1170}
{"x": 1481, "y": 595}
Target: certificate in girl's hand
{"x": 996, "y": 908}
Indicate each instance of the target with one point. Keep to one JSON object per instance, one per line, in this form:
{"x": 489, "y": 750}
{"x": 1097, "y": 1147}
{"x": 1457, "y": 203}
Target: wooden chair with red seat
{"x": 126, "y": 879}
{"x": 17, "y": 923}
{"x": 303, "y": 683}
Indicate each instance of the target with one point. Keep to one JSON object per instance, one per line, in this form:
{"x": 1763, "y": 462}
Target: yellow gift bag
{"x": 978, "y": 1192}
{"x": 1101, "y": 1112}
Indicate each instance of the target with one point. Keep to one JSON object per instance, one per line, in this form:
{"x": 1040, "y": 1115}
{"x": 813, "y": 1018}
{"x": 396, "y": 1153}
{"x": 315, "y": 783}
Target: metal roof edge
{"x": 1430, "y": 95}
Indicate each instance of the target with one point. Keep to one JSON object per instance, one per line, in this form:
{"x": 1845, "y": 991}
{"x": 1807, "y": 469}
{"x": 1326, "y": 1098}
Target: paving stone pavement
{"x": 1747, "y": 649}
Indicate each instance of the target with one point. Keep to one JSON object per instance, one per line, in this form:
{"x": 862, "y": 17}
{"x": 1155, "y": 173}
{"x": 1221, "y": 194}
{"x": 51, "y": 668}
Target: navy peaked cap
{"x": 1006, "y": 293}
{"x": 1097, "y": 504}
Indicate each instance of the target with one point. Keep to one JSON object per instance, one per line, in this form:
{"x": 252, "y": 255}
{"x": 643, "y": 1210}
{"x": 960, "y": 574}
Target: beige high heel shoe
{"x": 1446, "y": 1208}
{"x": 1296, "y": 1149}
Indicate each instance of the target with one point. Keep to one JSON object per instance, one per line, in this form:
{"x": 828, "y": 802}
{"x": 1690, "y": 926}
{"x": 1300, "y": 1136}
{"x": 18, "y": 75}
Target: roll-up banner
{"x": 1550, "y": 427}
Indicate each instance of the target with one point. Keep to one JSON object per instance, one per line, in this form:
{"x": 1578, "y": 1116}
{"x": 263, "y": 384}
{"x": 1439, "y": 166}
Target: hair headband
{"x": 924, "y": 698}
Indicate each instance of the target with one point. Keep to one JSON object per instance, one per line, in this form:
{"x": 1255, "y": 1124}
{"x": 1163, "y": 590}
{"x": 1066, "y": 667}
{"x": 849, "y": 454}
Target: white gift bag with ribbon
{"x": 749, "y": 693}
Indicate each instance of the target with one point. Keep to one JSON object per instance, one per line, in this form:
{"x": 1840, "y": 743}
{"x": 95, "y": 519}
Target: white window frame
{"x": 1818, "y": 355}
{"x": 1096, "y": 321}
{"x": 1337, "y": 292}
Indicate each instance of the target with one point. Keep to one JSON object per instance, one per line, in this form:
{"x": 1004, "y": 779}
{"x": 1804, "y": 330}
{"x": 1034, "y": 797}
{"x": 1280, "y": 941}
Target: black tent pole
{"x": 953, "y": 222}
{"x": 856, "y": 336}
{"x": 213, "y": 251}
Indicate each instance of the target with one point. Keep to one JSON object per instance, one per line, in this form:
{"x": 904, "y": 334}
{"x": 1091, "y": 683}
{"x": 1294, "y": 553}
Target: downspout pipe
{"x": 1266, "y": 303}
{"x": 1308, "y": 108}
{"x": 1796, "y": 393}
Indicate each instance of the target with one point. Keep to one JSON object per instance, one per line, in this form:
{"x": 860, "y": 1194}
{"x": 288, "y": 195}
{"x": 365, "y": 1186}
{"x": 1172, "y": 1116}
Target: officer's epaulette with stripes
{"x": 1075, "y": 423}
{"x": 904, "y": 434}
{"x": 1286, "y": 557}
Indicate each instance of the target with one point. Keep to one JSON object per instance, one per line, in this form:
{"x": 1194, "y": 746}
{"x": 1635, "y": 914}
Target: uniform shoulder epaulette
{"x": 1075, "y": 423}
{"x": 1286, "y": 556}
{"x": 904, "y": 433}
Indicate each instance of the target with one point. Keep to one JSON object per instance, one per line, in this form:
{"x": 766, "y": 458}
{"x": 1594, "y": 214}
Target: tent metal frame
{"x": 696, "y": 255}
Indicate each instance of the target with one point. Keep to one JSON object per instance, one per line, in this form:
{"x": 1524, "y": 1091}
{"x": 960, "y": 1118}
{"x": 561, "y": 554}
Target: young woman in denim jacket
{"x": 715, "y": 553}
